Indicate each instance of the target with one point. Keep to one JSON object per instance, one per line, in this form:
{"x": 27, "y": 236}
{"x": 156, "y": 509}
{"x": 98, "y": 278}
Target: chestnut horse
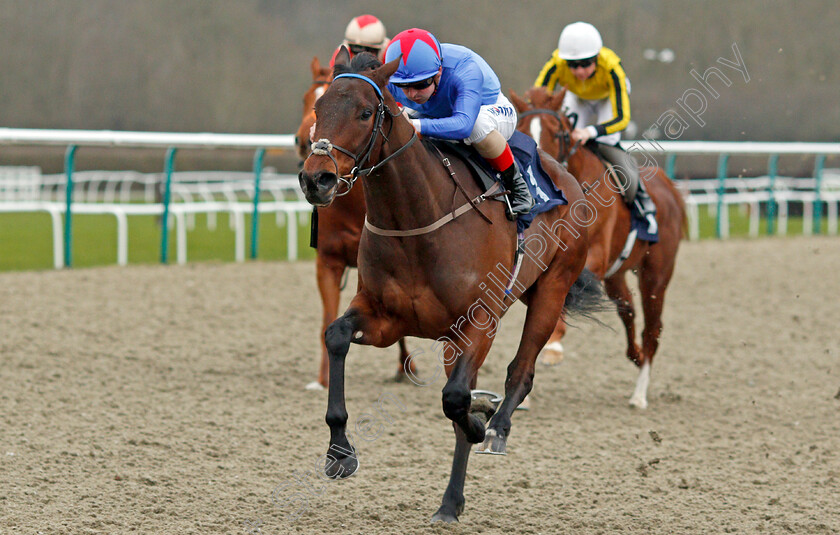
{"x": 608, "y": 234}
{"x": 338, "y": 233}
{"x": 423, "y": 263}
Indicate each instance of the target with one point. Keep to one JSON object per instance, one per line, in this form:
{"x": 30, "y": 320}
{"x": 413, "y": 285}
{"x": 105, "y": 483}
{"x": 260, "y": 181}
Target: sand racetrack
{"x": 170, "y": 400}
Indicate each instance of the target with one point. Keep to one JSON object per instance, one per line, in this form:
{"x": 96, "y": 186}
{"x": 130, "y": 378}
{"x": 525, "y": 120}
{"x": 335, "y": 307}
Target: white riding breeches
{"x": 591, "y": 112}
{"x": 500, "y": 116}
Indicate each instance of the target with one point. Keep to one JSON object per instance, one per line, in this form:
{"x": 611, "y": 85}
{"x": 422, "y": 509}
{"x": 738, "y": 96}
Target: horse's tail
{"x": 586, "y": 296}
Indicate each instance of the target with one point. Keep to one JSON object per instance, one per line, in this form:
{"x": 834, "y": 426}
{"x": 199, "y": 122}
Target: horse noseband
{"x": 324, "y": 147}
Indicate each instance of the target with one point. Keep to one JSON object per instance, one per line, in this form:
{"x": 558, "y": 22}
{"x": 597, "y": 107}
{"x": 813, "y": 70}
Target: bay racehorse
{"x": 339, "y": 228}
{"x": 609, "y": 255}
{"x": 423, "y": 273}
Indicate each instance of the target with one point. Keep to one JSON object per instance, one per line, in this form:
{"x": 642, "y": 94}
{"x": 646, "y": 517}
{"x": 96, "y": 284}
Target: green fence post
{"x": 69, "y": 159}
{"x": 772, "y": 170}
{"x": 723, "y": 161}
{"x": 164, "y": 236}
{"x": 255, "y": 219}
{"x": 818, "y": 175}
{"x": 671, "y": 165}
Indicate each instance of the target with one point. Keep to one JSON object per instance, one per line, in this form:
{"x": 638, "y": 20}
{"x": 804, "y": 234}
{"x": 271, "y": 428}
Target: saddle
{"x": 545, "y": 193}
{"x": 485, "y": 176}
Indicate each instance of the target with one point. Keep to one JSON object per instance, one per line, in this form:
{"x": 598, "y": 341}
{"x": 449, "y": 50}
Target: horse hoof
{"x": 494, "y": 444}
{"x": 443, "y": 515}
{"x": 483, "y": 409}
{"x": 552, "y": 354}
{"x": 401, "y": 376}
{"x": 314, "y": 385}
{"x": 638, "y": 402}
{"x": 341, "y": 468}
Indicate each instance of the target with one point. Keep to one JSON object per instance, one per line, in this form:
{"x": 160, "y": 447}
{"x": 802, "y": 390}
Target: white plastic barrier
{"x": 112, "y": 192}
{"x": 178, "y": 211}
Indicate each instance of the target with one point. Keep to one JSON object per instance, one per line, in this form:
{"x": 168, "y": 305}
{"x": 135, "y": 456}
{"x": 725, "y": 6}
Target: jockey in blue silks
{"x": 450, "y": 92}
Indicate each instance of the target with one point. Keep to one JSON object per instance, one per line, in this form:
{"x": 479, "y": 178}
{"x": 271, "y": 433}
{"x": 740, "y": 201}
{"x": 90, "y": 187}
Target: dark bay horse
{"x": 608, "y": 234}
{"x": 339, "y": 230}
{"x": 420, "y": 277}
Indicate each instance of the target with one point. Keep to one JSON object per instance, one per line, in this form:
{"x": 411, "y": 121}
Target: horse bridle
{"x": 324, "y": 147}
{"x": 563, "y": 135}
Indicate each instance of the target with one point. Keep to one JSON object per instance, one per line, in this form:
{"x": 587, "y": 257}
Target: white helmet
{"x": 579, "y": 40}
{"x": 365, "y": 30}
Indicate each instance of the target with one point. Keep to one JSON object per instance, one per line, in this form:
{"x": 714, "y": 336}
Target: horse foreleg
{"x": 328, "y": 274}
{"x": 360, "y": 324}
{"x": 342, "y": 460}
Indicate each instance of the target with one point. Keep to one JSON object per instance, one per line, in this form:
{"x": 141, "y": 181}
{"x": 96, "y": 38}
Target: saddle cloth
{"x": 640, "y": 224}
{"x": 637, "y": 218}
{"x": 546, "y": 195}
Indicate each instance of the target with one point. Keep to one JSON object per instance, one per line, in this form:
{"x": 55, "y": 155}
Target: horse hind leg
{"x": 452, "y": 504}
{"x": 552, "y": 353}
{"x": 619, "y": 292}
{"x": 653, "y": 300}
{"x": 468, "y": 424}
{"x": 402, "y": 371}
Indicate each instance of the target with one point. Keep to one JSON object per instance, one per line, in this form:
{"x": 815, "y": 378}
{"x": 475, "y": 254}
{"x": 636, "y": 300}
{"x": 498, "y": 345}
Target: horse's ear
{"x": 518, "y": 102}
{"x": 557, "y": 99}
{"x": 343, "y": 56}
{"x": 384, "y": 73}
{"x": 315, "y": 67}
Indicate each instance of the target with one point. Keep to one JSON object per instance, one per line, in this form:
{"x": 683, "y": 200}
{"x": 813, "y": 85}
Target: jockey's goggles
{"x": 358, "y": 49}
{"x": 422, "y": 84}
{"x": 578, "y": 63}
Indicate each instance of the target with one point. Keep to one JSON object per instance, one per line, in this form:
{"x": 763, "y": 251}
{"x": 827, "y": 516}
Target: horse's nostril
{"x": 326, "y": 179}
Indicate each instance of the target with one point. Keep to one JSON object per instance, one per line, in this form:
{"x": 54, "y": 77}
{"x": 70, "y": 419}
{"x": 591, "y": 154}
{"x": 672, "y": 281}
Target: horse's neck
{"x": 410, "y": 191}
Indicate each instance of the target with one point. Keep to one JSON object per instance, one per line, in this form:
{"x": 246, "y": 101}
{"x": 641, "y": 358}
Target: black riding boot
{"x": 520, "y": 198}
{"x": 646, "y": 207}
{"x": 633, "y": 188}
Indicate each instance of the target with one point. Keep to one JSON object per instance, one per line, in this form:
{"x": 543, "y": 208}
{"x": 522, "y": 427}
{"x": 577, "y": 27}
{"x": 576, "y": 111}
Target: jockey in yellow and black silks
{"x": 599, "y": 95}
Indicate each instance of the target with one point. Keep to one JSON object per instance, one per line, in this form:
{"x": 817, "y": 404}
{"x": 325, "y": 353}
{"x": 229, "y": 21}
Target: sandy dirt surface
{"x": 170, "y": 400}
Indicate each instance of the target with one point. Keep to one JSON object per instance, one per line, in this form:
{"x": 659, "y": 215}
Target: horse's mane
{"x": 364, "y": 61}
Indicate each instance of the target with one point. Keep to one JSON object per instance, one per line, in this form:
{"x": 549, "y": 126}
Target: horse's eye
{"x": 366, "y": 114}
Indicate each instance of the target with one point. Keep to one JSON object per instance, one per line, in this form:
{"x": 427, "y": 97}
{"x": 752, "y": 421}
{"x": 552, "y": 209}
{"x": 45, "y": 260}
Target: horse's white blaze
{"x": 639, "y": 398}
{"x": 319, "y": 91}
{"x": 536, "y": 129}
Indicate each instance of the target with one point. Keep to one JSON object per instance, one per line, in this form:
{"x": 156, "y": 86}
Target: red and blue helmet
{"x": 421, "y": 55}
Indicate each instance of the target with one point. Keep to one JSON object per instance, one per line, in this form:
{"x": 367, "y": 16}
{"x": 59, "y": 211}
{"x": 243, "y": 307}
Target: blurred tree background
{"x": 242, "y": 66}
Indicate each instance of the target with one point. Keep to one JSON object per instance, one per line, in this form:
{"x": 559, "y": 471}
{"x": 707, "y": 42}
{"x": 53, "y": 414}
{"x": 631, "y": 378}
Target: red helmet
{"x": 421, "y": 55}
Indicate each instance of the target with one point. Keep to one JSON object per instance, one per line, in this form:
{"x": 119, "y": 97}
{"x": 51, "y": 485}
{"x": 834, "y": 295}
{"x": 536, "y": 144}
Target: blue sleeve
{"x": 466, "y": 82}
